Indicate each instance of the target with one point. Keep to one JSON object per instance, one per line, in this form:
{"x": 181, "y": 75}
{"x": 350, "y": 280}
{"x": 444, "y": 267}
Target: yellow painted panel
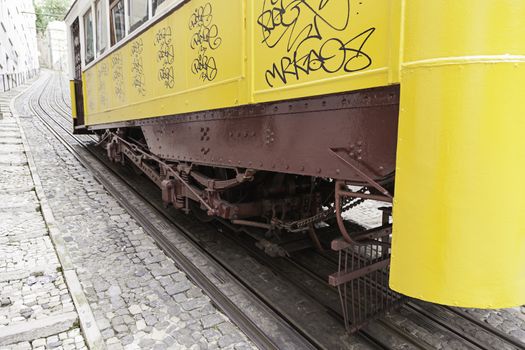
{"x": 89, "y": 92}
{"x": 463, "y": 28}
{"x": 73, "y": 99}
{"x": 306, "y": 48}
{"x": 206, "y": 55}
{"x": 459, "y": 233}
{"x": 191, "y": 60}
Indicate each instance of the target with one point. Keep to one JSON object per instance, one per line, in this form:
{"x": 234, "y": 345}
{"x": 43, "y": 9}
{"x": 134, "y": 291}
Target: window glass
{"x": 118, "y": 28}
{"x": 155, "y": 4}
{"x": 88, "y": 37}
{"x": 100, "y": 11}
{"x": 138, "y": 13}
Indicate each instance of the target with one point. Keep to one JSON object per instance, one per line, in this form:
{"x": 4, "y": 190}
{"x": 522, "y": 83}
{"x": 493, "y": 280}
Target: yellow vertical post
{"x": 459, "y": 210}
{"x": 73, "y": 99}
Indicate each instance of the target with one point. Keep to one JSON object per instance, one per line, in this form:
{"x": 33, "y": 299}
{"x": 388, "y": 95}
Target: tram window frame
{"x": 101, "y": 27}
{"x": 89, "y": 39}
{"x": 113, "y": 29}
{"x": 155, "y": 4}
{"x": 146, "y": 15}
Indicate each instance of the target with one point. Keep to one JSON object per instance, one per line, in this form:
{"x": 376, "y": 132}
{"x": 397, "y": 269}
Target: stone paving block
{"x": 22, "y": 226}
{"x": 25, "y": 201}
{"x": 45, "y": 327}
{"x": 14, "y": 178}
{"x": 26, "y": 257}
{"x": 12, "y": 159}
{"x": 8, "y": 149}
{"x": 33, "y": 298}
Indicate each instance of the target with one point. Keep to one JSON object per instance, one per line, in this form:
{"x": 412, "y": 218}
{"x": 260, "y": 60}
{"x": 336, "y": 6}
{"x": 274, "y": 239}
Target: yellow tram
{"x": 425, "y": 92}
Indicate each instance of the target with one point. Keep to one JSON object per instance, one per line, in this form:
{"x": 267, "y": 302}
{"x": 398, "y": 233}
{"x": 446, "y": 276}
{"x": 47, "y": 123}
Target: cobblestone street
{"x": 138, "y": 297}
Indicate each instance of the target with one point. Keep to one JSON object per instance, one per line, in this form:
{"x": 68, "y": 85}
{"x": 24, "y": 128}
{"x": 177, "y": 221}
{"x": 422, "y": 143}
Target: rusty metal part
{"x": 293, "y": 137}
{"x": 369, "y": 235}
{"x": 350, "y": 137}
{"x": 252, "y": 224}
{"x": 362, "y": 277}
{"x": 103, "y": 138}
{"x": 221, "y": 185}
{"x": 341, "y": 277}
{"x": 175, "y": 182}
{"x": 362, "y": 174}
{"x": 304, "y": 223}
{"x": 341, "y": 192}
{"x": 117, "y": 147}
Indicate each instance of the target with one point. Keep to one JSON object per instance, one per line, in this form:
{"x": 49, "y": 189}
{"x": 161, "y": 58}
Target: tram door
{"x": 78, "y": 103}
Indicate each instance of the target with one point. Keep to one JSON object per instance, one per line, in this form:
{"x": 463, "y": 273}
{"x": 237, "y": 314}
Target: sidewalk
{"x": 37, "y": 310}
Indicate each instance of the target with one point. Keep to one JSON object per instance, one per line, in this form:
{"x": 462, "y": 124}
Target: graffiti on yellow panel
{"x": 102, "y": 73}
{"x": 205, "y": 39}
{"x": 312, "y": 36}
{"x": 117, "y": 64}
{"x": 137, "y": 66}
{"x": 165, "y": 56}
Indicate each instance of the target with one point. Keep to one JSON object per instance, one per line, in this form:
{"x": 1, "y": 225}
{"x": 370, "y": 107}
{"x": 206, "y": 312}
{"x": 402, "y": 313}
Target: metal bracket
{"x": 362, "y": 174}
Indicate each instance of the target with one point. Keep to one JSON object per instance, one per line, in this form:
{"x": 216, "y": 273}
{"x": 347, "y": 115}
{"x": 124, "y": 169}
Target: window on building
{"x": 138, "y": 13}
{"x": 156, "y": 5}
{"x": 100, "y": 11}
{"x": 118, "y": 26}
{"x": 88, "y": 37}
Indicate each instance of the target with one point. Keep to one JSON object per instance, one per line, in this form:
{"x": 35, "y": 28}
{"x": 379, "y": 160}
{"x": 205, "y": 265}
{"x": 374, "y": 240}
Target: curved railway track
{"x": 395, "y": 331}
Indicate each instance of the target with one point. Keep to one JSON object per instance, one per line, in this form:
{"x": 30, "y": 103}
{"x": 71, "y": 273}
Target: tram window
{"x": 118, "y": 26}
{"x": 155, "y": 4}
{"x": 88, "y": 37}
{"x": 100, "y": 11}
{"x": 138, "y": 13}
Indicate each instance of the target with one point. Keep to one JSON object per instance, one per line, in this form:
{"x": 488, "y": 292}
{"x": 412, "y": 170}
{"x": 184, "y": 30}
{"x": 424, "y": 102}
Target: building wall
{"x": 18, "y": 43}
{"x": 44, "y": 58}
{"x": 57, "y": 45}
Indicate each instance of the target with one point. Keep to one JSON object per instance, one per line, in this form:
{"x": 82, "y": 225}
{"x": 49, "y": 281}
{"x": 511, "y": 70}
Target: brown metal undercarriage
{"x": 276, "y": 167}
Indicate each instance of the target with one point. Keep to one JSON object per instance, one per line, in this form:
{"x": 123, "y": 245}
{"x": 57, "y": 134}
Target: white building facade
{"x": 18, "y": 43}
{"x": 53, "y": 47}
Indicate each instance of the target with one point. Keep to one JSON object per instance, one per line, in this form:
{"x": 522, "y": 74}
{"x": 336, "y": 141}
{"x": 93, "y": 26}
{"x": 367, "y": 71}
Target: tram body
{"x": 428, "y": 93}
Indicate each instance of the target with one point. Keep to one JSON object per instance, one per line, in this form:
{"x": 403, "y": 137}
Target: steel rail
{"x": 365, "y": 333}
{"x": 508, "y": 338}
{"x": 446, "y": 325}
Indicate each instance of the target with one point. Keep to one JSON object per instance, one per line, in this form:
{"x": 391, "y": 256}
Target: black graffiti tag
{"x": 166, "y": 56}
{"x": 118, "y": 75}
{"x": 137, "y": 66}
{"x": 333, "y": 56}
{"x": 297, "y": 25}
{"x": 205, "y": 39}
{"x": 205, "y": 66}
